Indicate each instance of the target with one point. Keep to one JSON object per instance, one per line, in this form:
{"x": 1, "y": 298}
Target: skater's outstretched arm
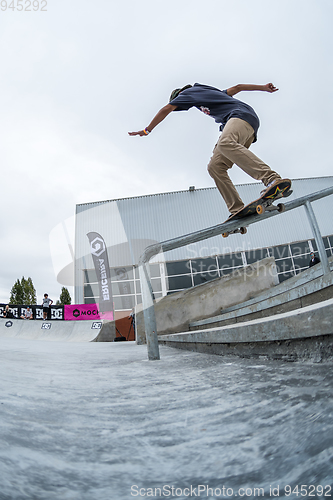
{"x": 163, "y": 113}
{"x": 269, "y": 87}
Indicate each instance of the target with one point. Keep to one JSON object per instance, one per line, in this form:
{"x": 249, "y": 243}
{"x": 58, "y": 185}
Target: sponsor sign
{"x": 56, "y": 313}
{"x": 101, "y": 263}
{"x": 79, "y": 312}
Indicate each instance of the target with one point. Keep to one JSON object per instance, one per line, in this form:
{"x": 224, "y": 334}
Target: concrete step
{"x": 305, "y": 333}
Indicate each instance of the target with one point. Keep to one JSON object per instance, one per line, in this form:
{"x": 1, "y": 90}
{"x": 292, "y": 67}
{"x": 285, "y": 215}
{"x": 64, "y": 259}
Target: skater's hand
{"x": 140, "y": 132}
{"x": 163, "y": 113}
{"x": 269, "y": 87}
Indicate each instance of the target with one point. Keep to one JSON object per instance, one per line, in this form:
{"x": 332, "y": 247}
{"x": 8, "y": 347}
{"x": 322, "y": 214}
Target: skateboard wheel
{"x": 225, "y": 235}
{"x": 281, "y": 207}
{"x": 243, "y": 230}
{"x": 260, "y": 209}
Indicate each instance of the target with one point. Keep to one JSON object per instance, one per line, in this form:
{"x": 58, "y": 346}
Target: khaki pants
{"x": 232, "y": 147}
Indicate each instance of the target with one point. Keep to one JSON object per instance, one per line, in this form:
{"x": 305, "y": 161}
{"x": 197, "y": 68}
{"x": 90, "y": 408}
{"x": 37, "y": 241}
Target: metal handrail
{"x": 210, "y": 232}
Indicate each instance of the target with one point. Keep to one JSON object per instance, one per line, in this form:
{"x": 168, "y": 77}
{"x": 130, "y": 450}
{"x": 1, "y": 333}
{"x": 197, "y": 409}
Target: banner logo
{"x": 97, "y": 325}
{"x": 57, "y": 313}
{"x": 46, "y": 326}
{"x": 97, "y": 246}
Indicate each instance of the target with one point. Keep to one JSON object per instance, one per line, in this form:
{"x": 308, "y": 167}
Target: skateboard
{"x": 261, "y": 205}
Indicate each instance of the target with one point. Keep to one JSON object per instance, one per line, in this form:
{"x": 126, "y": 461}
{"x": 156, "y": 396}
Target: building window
{"x": 280, "y": 252}
{"x": 300, "y": 248}
{"x": 204, "y": 265}
{"x": 177, "y": 283}
{"x": 230, "y": 261}
{"x": 255, "y": 255}
{"x": 180, "y": 267}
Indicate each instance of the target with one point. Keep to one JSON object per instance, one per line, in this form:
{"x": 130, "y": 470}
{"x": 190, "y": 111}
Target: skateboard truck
{"x": 263, "y": 207}
{"x": 267, "y": 204}
{"x": 241, "y": 230}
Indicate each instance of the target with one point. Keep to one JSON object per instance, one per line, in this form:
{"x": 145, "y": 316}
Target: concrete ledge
{"x": 174, "y": 312}
{"x": 64, "y": 331}
{"x": 312, "y": 322}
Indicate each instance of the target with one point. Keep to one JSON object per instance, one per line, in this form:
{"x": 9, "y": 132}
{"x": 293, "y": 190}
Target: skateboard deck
{"x": 259, "y": 206}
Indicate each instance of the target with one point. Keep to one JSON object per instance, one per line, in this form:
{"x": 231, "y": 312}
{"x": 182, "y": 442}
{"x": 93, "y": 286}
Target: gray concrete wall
{"x": 174, "y": 312}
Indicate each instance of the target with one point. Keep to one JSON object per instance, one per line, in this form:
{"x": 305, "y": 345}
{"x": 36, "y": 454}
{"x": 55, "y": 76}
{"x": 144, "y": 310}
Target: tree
{"x": 65, "y": 298}
{"x": 16, "y": 294}
{"x": 30, "y": 296}
{"x": 23, "y": 292}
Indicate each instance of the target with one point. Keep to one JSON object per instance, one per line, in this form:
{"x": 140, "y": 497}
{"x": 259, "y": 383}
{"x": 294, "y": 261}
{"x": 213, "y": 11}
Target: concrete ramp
{"x": 61, "y": 331}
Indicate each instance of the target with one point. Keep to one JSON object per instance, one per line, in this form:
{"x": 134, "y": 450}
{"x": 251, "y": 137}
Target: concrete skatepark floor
{"x": 99, "y": 421}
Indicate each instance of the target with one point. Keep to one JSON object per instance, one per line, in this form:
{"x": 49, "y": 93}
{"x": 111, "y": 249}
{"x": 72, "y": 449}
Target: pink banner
{"x": 79, "y": 312}
{"x": 106, "y": 315}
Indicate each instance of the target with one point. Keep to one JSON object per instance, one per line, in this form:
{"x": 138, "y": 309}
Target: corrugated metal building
{"x": 129, "y": 225}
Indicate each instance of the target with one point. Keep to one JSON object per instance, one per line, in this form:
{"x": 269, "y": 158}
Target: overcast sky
{"x": 76, "y": 77}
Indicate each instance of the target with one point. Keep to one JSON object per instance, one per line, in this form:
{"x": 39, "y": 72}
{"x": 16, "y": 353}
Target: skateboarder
{"x": 239, "y": 126}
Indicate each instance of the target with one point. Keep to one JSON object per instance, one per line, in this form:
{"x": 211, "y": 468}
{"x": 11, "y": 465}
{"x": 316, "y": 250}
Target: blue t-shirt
{"x": 217, "y": 104}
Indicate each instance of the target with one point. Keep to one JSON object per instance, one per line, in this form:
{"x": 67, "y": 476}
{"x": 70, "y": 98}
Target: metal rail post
{"x": 317, "y": 236}
{"x": 149, "y": 313}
